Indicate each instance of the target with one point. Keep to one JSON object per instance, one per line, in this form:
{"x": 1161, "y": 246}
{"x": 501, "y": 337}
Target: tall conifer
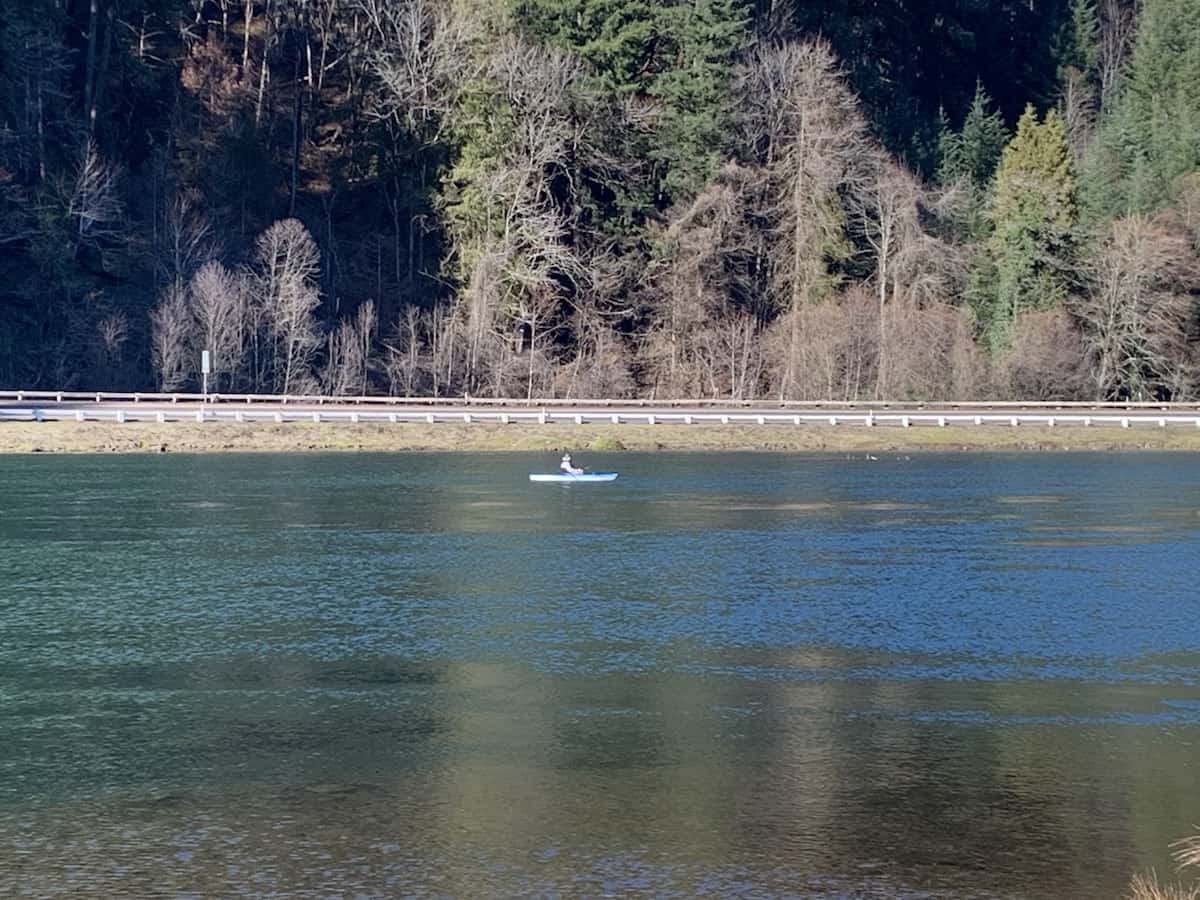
{"x": 1033, "y": 214}
{"x": 1151, "y": 136}
{"x": 974, "y": 151}
{"x": 1164, "y": 97}
{"x": 677, "y": 55}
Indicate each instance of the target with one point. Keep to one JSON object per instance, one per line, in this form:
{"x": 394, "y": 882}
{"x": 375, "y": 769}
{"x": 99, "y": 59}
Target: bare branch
{"x": 423, "y": 55}
{"x": 95, "y": 203}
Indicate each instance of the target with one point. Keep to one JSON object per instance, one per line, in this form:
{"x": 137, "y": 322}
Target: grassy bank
{"x": 73, "y": 437}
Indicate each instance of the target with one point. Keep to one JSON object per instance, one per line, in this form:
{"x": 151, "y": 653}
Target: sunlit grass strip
{"x": 133, "y": 437}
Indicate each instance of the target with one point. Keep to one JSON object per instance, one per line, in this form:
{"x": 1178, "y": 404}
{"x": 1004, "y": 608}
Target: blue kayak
{"x": 586, "y": 478}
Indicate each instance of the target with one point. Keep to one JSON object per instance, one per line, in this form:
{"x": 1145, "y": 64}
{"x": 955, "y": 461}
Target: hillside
{"x": 603, "y": 197}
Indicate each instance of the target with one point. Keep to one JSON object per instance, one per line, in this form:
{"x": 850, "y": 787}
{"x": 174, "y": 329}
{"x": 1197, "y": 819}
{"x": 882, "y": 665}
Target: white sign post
{"x": 205, "y": 369}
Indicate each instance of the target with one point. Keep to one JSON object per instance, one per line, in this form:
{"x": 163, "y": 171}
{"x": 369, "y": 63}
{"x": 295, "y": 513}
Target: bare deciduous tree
{"x": 187, "y": 238}
{"x": 350, "y": 357}
{"x": 445, "y": 348}
{"x": 928, "y": 346}
{"x": 219, "y": 308}
{"x": 1118, "y": 26}
{"x": 888, "y": 210}
{"x": 694, "y": 289}
{"x": 1079, "y": 111}
{"x": 807, "y": 343}
{"x": 811, "y": 139}
{"x": 17, "y": 225}
{"x": 514, "y": 253}
{"x": 113, "y": 332}
{"x": 95, "y": 203}
{"x": 1044, "y": 359}
{"x": 286, "y": 287}
{"x": 480, "y": 309}
{"x": 424, "y": 56}
{"x": 732, "y": 357}
{"x": 601, "y": 366}
{"x": 930, "y": 352}
{"x": 403, "y": 356}
{"x": 171, "y": 334}
{"x": 1134, "y": 315}
{"x": 534, "y": 311}
{"x": 1188, "y": 208}
{"x": 914, "y": 269}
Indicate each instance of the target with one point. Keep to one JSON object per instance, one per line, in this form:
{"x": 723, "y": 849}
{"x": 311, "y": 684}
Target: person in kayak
{"x": 567, "y": 467}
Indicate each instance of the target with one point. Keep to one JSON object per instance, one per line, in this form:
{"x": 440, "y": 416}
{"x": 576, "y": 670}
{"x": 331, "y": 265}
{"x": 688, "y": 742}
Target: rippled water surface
{"x": 736, "y": 675}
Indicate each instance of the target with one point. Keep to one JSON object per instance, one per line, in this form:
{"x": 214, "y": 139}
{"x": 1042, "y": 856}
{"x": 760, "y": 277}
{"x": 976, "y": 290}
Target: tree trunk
{"x": 308, "y": 62}
{"x": 532, "y": 344}
{"x": 89, "y": 82}
{"x": 102, "y": 71}
{"x": 263, "y": 71}
{"x": 41, "y": 131}
{"x": 296, "y": 117}
{"x": 412, "y": 262}
{"x": 247, "y": 21}
{"x": 881, "y": 363}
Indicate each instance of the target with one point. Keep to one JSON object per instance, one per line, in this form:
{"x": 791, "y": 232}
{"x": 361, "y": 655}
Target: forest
{"x": 741, "y": 199}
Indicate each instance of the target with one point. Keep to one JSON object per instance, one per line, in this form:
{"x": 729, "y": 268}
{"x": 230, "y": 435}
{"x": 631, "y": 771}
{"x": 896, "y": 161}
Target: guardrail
{"x": 62, "y": 397}
{"x": 546, "y": 417}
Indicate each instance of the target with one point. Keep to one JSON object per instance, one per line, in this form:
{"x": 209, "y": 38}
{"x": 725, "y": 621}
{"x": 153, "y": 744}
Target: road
{"x": 25, "y": 406}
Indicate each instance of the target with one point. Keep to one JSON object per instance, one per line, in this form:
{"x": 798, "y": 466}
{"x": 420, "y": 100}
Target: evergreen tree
{"x": 1151, "y": 135}
{"x": 968, "y": 159}
{"x": 1078, "y": 53}
{"x": 1078, "y": 44}
{"x": 677, "y": 54}
{"x": 694, "y": 91}
{"x": 1163, "y": 97}
{"x": 906, "y": 60}
{"x": 617, "y": 38}
{"x": 973, "y": 152}
{"x": 1033, "y": 214}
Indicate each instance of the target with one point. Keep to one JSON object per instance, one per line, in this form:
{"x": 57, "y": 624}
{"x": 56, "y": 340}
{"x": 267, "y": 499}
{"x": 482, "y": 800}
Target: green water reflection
{"x": 733, "y": 676}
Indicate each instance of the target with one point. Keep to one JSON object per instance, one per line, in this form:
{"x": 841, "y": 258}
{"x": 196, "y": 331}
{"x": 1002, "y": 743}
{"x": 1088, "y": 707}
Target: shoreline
{"x": 300, "y": 437}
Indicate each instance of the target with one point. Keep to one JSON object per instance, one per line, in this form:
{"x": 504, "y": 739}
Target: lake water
{"x": 722, "y": 676}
